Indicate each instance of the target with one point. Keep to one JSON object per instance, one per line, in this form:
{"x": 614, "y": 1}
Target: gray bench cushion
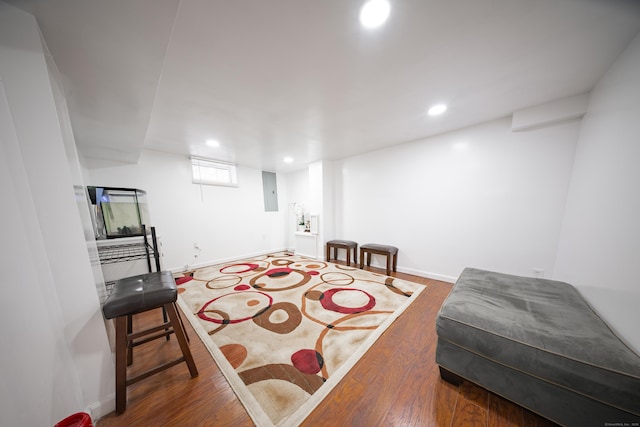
{"x": 380, "y": 248}
{"x": 349, "y": 243}
{"x": 543, "y": 328}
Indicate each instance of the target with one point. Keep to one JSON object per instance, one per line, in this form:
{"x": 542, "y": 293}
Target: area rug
{"x": 285, "y": 329}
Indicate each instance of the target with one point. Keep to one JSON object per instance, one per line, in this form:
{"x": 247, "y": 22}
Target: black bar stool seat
{"x": 138, "y": 294}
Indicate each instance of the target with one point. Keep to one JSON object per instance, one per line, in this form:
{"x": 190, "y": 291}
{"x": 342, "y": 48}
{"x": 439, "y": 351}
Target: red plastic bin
{"x": 81, "y": 419}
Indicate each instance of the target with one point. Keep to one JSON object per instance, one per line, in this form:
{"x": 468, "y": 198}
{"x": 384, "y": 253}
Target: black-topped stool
{"x": 347, "y": 245}
{"x": 138, "y": 294}
{"x": 391, "y": 252}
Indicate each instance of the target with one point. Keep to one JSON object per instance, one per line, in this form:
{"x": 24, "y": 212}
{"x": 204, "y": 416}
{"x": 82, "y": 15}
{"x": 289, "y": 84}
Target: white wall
{"x": 226, "y": 222}
{"x": 55, "y": 348}
{"x": 327, "y": 219}
{"x": 481, "y": 197}
{"x": 599, "y": 248}
{"x": 321, "y": 197}
{"x": 75, "y": 170}
{"x": 297, "y": 191}
{"x": 36, "y": 361}
{"x": 313, "y": 189}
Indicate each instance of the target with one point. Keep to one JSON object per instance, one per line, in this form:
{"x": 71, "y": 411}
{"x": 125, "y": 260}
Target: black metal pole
{"x": 146, "y": 246}
{"x": 156, "y": 251}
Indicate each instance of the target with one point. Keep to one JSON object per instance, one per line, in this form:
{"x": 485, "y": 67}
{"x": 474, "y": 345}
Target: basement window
{"x": 212, "y": 172}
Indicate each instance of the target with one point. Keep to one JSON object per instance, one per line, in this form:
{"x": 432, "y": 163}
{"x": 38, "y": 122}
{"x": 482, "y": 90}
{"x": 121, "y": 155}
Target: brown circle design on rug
{"x": 223, "y": 282}
{"x": 337, "y": 278}
{"x": 281, "y": 371}
{"x": 280, "y": 279}
{"x": 280, "y": 309}
{"x": 310, "y": 265}
{"x": 345, "y": 267}
{"x": 223, "y": 324}
{"x": 389, "y": 284}
{"x": 242, "y": 304}
{"x": 281, "y": 262}
{"x": 314, "y": 295}
{"x": 314, "y": 266}
{"x": 234, "y": 353}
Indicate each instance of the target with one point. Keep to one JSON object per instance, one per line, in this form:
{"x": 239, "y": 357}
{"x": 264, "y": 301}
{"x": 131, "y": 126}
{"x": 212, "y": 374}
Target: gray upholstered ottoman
{"x": 537, "y": 342}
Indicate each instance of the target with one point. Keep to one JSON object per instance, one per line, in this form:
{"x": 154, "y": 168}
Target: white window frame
{"x": 213, "y": 172}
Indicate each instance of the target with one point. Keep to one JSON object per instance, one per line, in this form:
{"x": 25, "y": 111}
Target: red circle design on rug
{"x": 242, "y": 288}
{"x": 181, "y": 280}
{"x": 307, "y": 361}
{"x": 328, "y": 303}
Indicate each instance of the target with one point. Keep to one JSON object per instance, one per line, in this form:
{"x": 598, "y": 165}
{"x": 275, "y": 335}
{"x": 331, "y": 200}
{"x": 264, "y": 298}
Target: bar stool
{"x": 138, "y": 294}
{"x": 391, "y": 252}
{"x": 347, "y": 245}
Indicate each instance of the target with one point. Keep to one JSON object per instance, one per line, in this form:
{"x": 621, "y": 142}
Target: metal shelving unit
{"x": 112, "y": 254}
{"x": 121, "y": 253}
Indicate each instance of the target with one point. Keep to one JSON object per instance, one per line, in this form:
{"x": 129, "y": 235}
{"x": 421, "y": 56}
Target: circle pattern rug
{"x": 285, "y": 329}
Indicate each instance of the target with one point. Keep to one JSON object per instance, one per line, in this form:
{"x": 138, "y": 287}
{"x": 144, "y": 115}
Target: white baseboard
{"x": 224, "y": 260}
{"x": 427, "y": 274}
{"x": 421, "y": 273}
{"x": 97, "y": 410}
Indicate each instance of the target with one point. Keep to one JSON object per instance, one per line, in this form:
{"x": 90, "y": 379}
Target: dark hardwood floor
{"x": 396, "y": 383}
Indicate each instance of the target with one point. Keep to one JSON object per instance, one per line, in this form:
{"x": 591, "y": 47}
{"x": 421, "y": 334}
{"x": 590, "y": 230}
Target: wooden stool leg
{"x": 129, "y": 346}
{"x": 348, "y": 256}
{"x": 182, "y": 324}
{"x": 395, "y": 262}
{"x": 355, "y": 255}
{"x": 184, "y": 346}
{"x": 328, "y": 253}
{"x": 164, "y": 318}
{"x": 361, "y": 258}
{"x": 368, "y": 259}
{"x": 388, "y": 264}
{"x": 122, "y": 345}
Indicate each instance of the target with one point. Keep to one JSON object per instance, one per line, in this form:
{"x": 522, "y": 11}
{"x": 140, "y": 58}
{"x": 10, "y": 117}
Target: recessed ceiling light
{"x": 374, "y": 13}
{"x": 288, "y": 159}
{"x": 213, "y": 143}
{"x": 436, "y": 110}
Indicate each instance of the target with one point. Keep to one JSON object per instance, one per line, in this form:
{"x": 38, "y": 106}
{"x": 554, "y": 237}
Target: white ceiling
{"x": 302, "y": 78}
